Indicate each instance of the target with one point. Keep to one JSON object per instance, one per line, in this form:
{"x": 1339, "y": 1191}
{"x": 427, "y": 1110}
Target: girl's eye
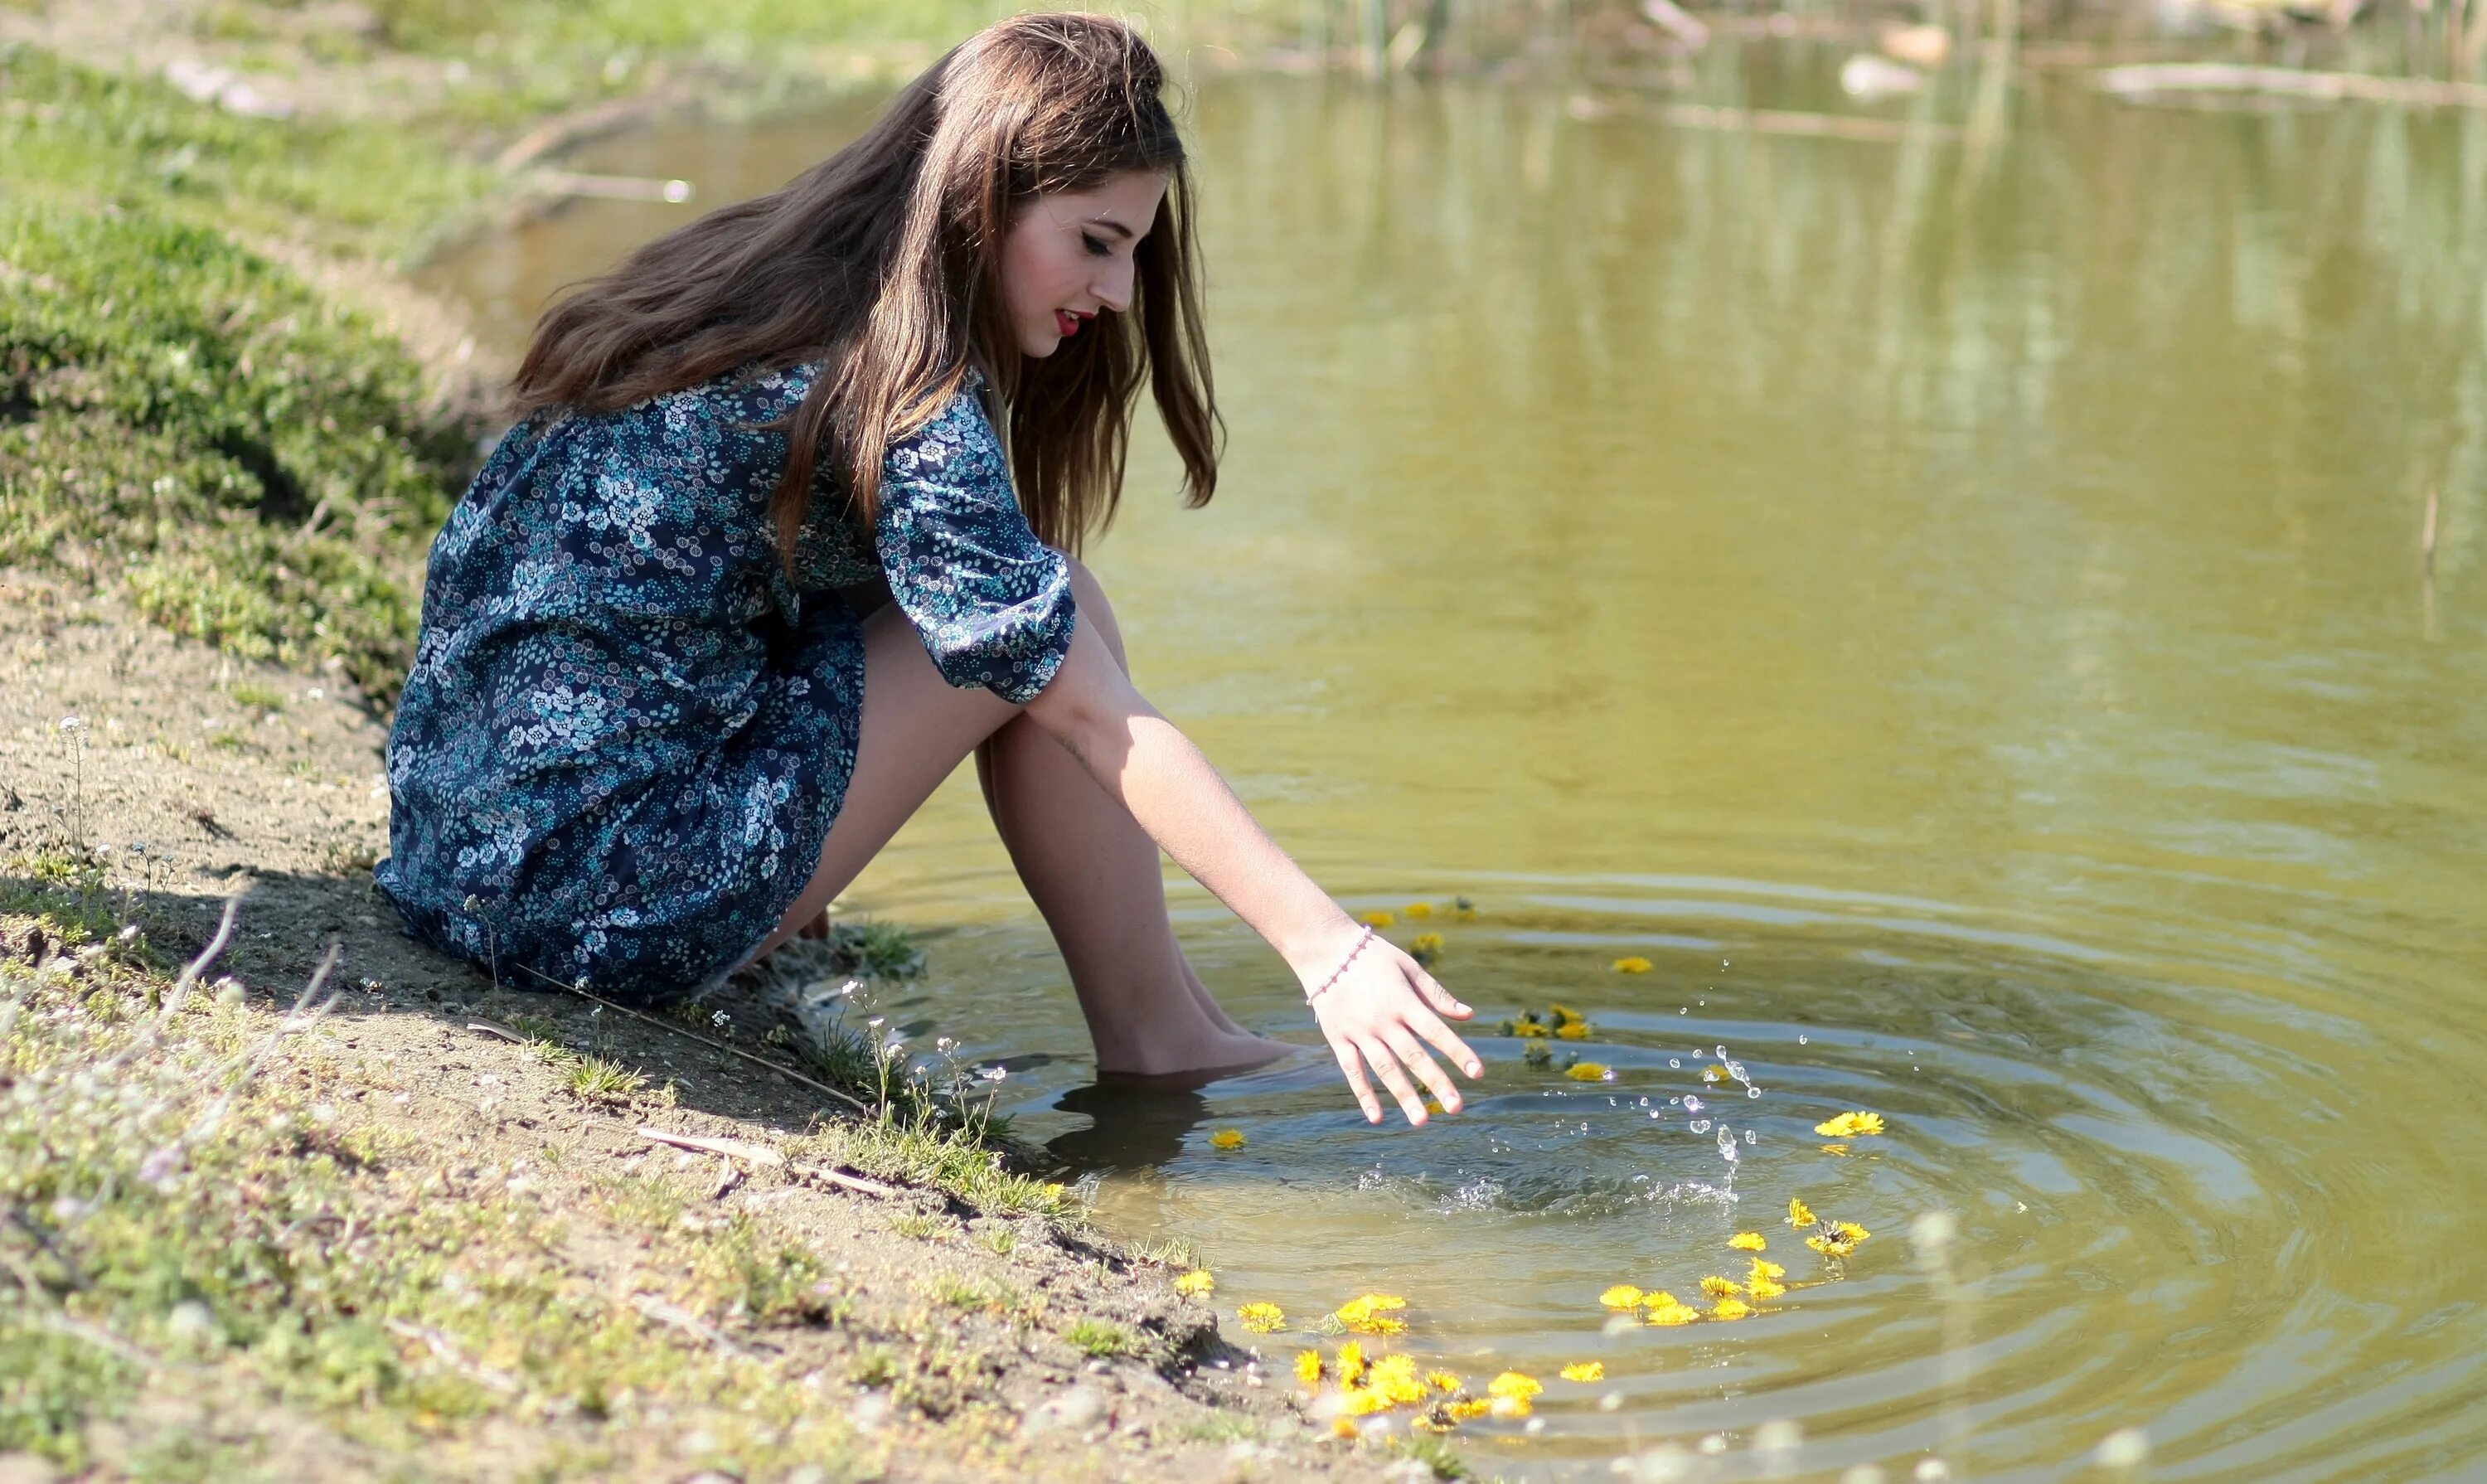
{"x": 1096, "y": 245}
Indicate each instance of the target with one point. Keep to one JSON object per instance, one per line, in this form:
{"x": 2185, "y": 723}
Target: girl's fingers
{"x": 1443, "y": 1001}
{"x": 1447, "y": 1041}
{"x": 1352, "y": 1066}
{"x": 1377, "y": 1055}
{"x": 1413, "y": 1056}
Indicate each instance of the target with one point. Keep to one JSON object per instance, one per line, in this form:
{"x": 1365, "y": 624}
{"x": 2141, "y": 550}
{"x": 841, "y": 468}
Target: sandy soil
{"x": 195, "y": 794}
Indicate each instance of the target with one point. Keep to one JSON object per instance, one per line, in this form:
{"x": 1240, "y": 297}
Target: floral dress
{"x": 628, "y": 729}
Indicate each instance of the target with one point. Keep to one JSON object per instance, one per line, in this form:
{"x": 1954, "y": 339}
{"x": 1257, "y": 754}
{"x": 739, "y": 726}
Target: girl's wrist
{"x": 1316, "y": 952}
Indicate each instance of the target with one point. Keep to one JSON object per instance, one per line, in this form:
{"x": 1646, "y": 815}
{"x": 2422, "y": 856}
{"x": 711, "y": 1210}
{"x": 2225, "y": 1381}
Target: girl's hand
{"x": 1377, "y": 1014}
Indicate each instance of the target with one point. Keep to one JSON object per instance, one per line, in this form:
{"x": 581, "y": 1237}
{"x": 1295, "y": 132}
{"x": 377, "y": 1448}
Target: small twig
{"x": 689, "y": 1034}
{"x": 729, "y": 1175}
{"x": 2426, "y": 537}
{"x": 181, "y": 993}
{"x": 736, "y": 1149}
{"x": 445, "y": 1351}
{"x": 502, "y": 1031}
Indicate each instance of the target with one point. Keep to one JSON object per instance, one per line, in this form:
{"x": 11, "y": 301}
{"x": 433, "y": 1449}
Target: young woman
{"x": 781, "y": 539}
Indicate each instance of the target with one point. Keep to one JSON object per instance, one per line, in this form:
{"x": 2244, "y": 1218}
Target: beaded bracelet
{"x": 1322, "y": 988}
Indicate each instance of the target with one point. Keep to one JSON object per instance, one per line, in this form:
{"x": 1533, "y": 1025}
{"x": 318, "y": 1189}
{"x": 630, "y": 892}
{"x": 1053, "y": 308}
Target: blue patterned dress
{"x": 627, "y": 730}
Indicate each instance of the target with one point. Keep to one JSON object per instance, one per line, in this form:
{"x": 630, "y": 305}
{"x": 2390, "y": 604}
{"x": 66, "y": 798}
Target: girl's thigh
{"x": 917, "y": 727}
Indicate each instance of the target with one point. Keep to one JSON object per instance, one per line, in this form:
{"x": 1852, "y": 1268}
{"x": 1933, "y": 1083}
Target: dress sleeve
{"x": 991, "y": 602}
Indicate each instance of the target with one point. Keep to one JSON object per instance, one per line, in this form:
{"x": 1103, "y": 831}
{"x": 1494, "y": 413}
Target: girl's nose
{"x": 1113, "y": 288}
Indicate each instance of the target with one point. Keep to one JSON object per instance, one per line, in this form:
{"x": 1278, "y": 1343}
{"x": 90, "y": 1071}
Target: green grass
{"x": 1101, "y": 1339}
{"x": 182, "y": 418}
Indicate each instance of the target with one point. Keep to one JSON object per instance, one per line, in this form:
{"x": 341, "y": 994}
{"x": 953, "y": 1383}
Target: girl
{"x": 781, "y": 539}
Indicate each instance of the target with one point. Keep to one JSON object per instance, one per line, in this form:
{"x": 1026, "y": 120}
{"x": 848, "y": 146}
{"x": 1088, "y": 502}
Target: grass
{"x": 1101, "y": 1339}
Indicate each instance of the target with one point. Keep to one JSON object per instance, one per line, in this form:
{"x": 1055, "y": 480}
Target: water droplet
{"x": 1752, "y": 1092}
{"x": 1675, "y": 1062}
{"x": 1802, "y": 1040}
{"x": 1700, "y": 1124}
{"x": 1727, "y": 1143}
{"x": 1692, "y": 1105}
{"x": 1752, "y": 1137}
{"x": 1722, "y": 1053}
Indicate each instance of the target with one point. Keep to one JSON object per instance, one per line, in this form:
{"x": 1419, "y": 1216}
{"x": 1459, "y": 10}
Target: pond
{"x": 1951, "y": 601}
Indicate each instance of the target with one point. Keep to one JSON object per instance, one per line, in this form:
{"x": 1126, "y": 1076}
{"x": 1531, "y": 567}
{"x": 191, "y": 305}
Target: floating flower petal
{"x": 1370, "y": 1314}
{"x": 1529, "y": 1029}
{"x": 1800, "y": 1215}
{"x": 1665, "y": 1309}
{"x": 1634, "y": 964}
{"x": 1732, "y": 1308}
{"x": 1850, "y": 1125}
{"x": 1261, "y": 1318}
{"x": 1623, "y": 1296}
{"x": 1584, "y": 1371}
{"x": 1574, "y": 1031}
{"x": 1565, "y": 1014}
{"x": 1589, "y": 1071}
{"x": 1747, "y": 1242}
{"x": 1420, "y": 910}
{"x": 1378, "y": 919}
{"x": 1226, "y": 1139}
{"x": 1196, "y": 1284}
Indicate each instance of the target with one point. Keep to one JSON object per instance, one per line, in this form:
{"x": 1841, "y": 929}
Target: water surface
{"x": 1954, "y": 604}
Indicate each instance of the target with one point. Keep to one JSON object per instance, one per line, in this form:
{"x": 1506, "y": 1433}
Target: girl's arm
{"x": 1378, "y": 1012}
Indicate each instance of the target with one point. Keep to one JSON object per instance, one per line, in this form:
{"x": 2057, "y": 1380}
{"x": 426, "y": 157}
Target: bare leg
{"x": 917, "y": 729}
{"x": 1095, "y": 875}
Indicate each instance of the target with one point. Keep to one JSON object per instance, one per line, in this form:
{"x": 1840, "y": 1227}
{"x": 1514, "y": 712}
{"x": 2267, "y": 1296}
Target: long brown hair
{"x": 883, "y": 263}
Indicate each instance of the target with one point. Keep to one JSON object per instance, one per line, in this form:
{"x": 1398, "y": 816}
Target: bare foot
{"x": 1205, "y": 1053}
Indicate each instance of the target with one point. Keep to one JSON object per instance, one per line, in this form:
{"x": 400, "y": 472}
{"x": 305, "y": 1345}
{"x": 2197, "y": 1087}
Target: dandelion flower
{"x": 1537, "y": 1056}
{"x": 1800, "y": 1215}
{"x": 1513, "y": 1394}
{"x": 1351, "y": 1363}
{"x": 1589, "y": 1071}
{"x": 1763, "y": 1268}
{"x": 1665, "y": 1309}
{"x": 1838, "y": 1238}
{"x": 1584, "y": 1371}
{"x": 1623, "y": 1296}
{"x": 1462, "y": 909}
{"x": 1442, "y": 1380}
{"x": 1747, "y": 1242}
{"x": 1427, "y": 942}
{"x": 1419, "y": 911}
{"x": 1370, "y": 1314}
{"x": 1344, "y": 1427}
{"x": 1395, "y": 1377}
{"x": 1573, "y": 1030}
{"x": 1196, "y": 1284}
{"x": 1261, "y": 1318}
{"x": 1226, "y": 1139}
{"x": 1564, "y": 1015}
{"x": 1529, "y": 1028}
{"x": 1850, "y": 1125}
{"x": 1474, "y": 1407}
{"x": 1718, "y": 1287}
{"x": 1308, "y": 1367}
{"x": 1763, "y": 1282}
{"x": 1378, "y": 919}
{"x": 1364, "y": 1401}
{"x": 1634, "y": 964}
{"x": 1732, "y": 1308}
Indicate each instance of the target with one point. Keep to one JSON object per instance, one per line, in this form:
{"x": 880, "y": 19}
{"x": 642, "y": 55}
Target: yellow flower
{"x": 1732, "y": 1308}
{"x": 1763, "y": 1282}
{"x": 1376, "y": 919}
{"x": 1838, "y": 1238}
{"x": 1512, "y": 1393}
{"x": 1474, "y": 1407}
{"x": 1529, "y": 1028}
{"x": 1421, "y": 910}
{"x": 1800, "y": 1215}
{"x": 1395, "y": 1377}
{"x": 1261, "y": 1318}
{"x": 1364, "y": 1401}
{"x": 1747, "y": 1242}
{"x": 1464, "y": 909}
{"x": 1351, "y": 1363}
{"x": 1850, "y": 1125}
{"x": 1634, "y": 964}
{"x": 1763, "y": 1268}
{"x": 1623, "y": 1296}
{"x": 1442, "y": 1380}
{"x": 1427, "y": 942}
{"x": 1573, "y": 1030}
{"x": 1585, "y": 1370}
{"x": 1714, "y": 1074}
{"x": 1196, "y": 1284}
{"x": 1765, "y": 1288}
{"x": 1226, "y": 1139}
{"x": 1589, "y": 1071}
{"x": 1308, "y": 1367}
{"x": 1718, "y": 1287}
{"x": 1565, "y": 1014}
{"x": 1665, "y": 1309}
{"x": 1344, "y": 1427}
{"x": 1369, "y": 1315}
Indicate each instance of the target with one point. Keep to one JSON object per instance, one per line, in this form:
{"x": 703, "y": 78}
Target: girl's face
{"x": 1069, "y": 257}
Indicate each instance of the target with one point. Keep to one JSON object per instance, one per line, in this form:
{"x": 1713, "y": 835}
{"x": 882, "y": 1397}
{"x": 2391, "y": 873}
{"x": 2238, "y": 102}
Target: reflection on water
{"x": 1954, "y": 605}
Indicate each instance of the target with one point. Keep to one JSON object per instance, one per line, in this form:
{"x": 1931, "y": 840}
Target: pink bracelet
{"x": 1323, "y": 986}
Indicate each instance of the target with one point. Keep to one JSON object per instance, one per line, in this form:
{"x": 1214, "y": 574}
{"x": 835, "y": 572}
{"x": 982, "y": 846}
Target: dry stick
{"x": 756, "y": 1154}
{"x": 2146, "y": 79}
{"x": 685, "y": 1032}
{"x": 2426, "y": 537}
{"x": 181, "y": 987}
